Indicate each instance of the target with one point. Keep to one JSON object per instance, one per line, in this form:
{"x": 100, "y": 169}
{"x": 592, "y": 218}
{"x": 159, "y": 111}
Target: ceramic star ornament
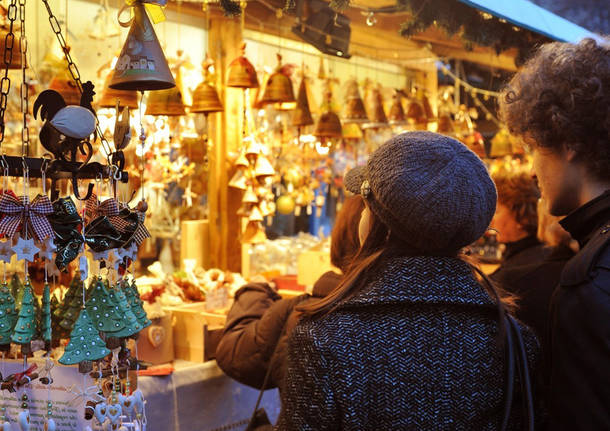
{"x": 6, "y": 251}
{"x": 133, "y": 251}
{"x": 113, "y": 260}
{"x": 101, "y": 255}
{"x": 47, "y": 248}
{"x": 25, "y": 249}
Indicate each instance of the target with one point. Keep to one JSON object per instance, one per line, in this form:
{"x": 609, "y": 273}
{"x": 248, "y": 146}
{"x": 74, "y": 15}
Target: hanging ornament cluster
{"x": 253, "y": 176}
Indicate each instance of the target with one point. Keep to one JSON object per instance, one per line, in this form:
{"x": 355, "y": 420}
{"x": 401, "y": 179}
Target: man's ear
{"x": 570, "y": 152}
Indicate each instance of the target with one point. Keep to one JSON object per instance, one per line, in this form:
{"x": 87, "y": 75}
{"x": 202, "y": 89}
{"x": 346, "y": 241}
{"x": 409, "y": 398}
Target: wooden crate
{"x": 192, "y": 326}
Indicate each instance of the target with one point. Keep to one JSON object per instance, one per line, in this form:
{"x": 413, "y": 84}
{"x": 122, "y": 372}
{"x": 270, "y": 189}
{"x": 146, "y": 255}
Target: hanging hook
{"x": 76, "y": 191}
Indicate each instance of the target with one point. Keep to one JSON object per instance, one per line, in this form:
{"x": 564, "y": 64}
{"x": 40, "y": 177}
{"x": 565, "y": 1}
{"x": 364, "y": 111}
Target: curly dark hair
{"x": 517, "y": 190}
{"x": 561, "y": 96}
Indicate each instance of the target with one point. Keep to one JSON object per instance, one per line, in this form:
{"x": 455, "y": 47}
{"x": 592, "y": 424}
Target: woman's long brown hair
{"x": 380, "y": 244}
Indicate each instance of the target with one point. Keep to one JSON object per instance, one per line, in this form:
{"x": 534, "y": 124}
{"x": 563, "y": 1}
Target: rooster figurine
{"x": 67, "y": 128}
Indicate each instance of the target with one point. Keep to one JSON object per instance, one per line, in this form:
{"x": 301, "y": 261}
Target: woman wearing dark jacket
{"x": 409, "y": 339}
{"x": 260, "y": 319}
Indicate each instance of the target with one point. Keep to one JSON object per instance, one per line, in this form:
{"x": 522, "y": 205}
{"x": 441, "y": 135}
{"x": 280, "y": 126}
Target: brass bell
{"x": 428, "y": 108}
{"x": 329, "y": 126}
{"x": 302, "y": 114}
{"x": 416, "y": 113}
{"x": 142, "y": 65}
{"x": 110, "y": 96}
{"x": 206, "y": 100}
{"x": 205, "y": 96}
{"x": 263, "y": 167}
{"x": 354, "y": 108}
{"x": 166, "y": 102}
{"x": 241, "y": 73}
{"x": 397, "y": 115}
{"x": 16, "y": 59}
{"x": 278, "y": 88}
{"x": 377, "y": 117}
{"x": 445, "y": 124}
{"x": 64, "y": 85}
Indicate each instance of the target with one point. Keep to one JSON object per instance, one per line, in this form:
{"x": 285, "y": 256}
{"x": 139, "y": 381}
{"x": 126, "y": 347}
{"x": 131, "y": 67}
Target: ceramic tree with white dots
{"x": 85, "y": 342}
{"x": 25, "y": 328}
{"x": 8, "y": 315}
{"x": 104, "y": 311}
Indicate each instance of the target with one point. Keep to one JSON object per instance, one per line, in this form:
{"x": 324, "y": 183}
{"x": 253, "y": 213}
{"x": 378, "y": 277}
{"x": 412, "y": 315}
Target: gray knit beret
{"x": 429, "y": 189}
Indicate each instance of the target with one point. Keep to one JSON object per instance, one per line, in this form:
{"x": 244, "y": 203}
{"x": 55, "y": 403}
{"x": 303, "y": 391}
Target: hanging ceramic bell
{"x": 165, "y": 102}
{"x": 329, "y": 124}
{"x": 377, "y": 117}
{"x": 142, "y": 65}
{"x": 239, "y": 180}
{"x": 278, "y": 88}
{"x": 354, "y": 106}
{"x": 445, "y": 124}
{"x": 397, "y": 115}
{"x": 110, "y": 96}
{"x": 249, "y": 196}
{"x": 241, "y": 72}
{"x": 263, "y": 167}
{"x": 302, "y": 114}
{"x": 416, "y": 113}
{"x": 428, "y": 108}
{"x": 253, "y": 148}
{"x": 65, "y": 85}
{"x": 255, "y": 215}
{"x": 206, "y": 100}
{"x": 16, "y": 59}
{"x": 205, "y": 96}
{"x": 242, "y": 161}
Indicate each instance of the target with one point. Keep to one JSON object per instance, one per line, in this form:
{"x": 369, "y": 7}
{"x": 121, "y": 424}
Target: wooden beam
{"x": 224, "y": 43}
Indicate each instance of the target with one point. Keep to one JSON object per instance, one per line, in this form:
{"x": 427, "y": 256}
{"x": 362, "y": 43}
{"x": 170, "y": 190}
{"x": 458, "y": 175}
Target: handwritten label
{"x": 68, "y": 411}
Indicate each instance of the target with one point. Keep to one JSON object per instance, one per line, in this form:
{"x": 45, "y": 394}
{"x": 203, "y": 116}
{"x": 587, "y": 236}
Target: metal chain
{"x": 5, "y": 82}
{"x": 73, "y": 69}
{"x": 23, "y": 48}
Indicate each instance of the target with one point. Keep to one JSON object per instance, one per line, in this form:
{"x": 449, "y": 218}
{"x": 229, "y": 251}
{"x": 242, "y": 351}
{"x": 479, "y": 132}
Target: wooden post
{"x": 225, "y": 131}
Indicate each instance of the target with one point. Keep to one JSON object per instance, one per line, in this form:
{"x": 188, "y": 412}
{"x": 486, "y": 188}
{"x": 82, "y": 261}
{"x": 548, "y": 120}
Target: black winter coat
{"x": 531, "y": 271}
{"x": 416, "y": 349}
{"x": 254, "y": 327}
{"x": 580, "y": 325}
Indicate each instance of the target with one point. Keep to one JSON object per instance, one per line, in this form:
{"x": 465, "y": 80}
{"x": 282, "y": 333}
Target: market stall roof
{"x": 530, "y": 16}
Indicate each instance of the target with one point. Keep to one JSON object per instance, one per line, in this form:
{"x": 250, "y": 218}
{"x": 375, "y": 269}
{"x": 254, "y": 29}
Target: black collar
{"x": 584, "y": 221}
{"x": 515, "y": 247}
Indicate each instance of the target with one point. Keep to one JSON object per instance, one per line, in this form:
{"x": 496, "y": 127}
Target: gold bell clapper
{"x": 110, "y": 96}
{"x": 377, "y": 116}
{"x": 354, "y": 105}
{"x": 142, "y": 65}
{"x": 278, "y": 88}
{"x": 397, "y": 114}
{"x": 241, "y": 72}
{"x": 301, "y": 117}
{"x": 65, "y": 85}
{"x": 205, "y": 96}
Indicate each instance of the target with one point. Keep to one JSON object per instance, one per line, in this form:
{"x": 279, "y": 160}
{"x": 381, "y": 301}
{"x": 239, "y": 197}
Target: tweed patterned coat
{"x": 415, "y": 349}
